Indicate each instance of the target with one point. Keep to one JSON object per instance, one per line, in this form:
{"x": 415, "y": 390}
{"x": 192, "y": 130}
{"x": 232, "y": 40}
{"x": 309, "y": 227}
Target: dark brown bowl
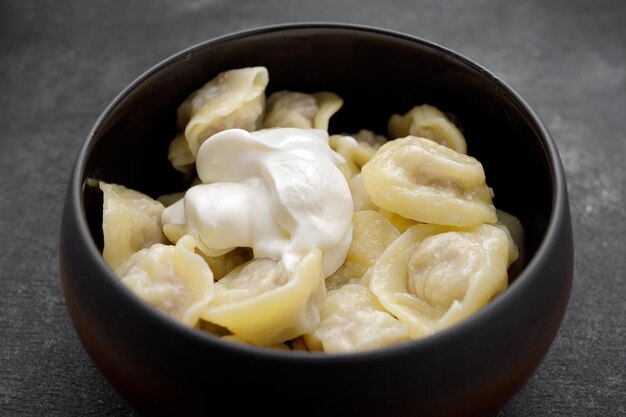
{"x": 473, "y": 368}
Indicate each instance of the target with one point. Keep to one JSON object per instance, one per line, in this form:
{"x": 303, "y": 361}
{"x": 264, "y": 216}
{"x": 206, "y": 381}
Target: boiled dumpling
{"x": 180, "y": 154}
{"x": 130, "y": 221}
{"x": 429, "y": 183}
{"x": 174, "y": 279}
{"x": 353, "y": 320}
{"x": 433, "y": 276}
{"x": 371, "y": 235}
{"x": 304, "y": 111}
{"x": 360, "y": 198}
{"x": 233, "y": 99}
{"x": 370, "y": 137}
{"x": 264, "y": 304}
{"x": 328, "y": 104}
{"x": 512, "y": 226}
{"x": 290, "y": 109}
{"x": 223, "y": 264}
{"x": 355, "y": 153}
{"x": 356, "y": 150}
{"x": 428, "y": 122}
{"x": 399, "y": 222}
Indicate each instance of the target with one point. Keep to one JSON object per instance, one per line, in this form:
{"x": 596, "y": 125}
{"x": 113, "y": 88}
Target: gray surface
{"x": 62, "y": 62}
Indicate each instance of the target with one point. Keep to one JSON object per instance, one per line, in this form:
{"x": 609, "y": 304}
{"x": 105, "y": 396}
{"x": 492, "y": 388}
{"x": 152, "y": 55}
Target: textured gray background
{"x": 62, "y": 62}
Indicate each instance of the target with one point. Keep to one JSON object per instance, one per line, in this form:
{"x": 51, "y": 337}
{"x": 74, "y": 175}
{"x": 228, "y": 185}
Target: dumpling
{"x": 371, "y": 235}
{"x": 355, "y": 153}
{"x": 427, "y": 122}
{"x": 264, "y": 304}
{"x": 360, "y": 198}
{"x": 328, "y": 104}
{"x": 304, "y": 111}
{"x": 233, "y": 99}
{"x": 130, "y": 221}
{"x": 512, "y": 226}
{"x": 399, "y": 222}
{"x": 369, "y": 137}
{"x": 174, "y": 279}
{"x": 223, "y": 264}
{"x": 353, "y": 320}
{"x": 429, "y": 183}
{"x": 434, "y": 276}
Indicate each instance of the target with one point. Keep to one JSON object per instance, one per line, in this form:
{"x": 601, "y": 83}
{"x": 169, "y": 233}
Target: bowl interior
{"x": 376, "y": 73}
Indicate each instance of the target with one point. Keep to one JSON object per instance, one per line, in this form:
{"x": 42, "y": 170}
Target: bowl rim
{"x": 559, "y": 204}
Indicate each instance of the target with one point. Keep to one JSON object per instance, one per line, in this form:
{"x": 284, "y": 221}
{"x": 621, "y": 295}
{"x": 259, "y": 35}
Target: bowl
{"x": 470, "y": 369}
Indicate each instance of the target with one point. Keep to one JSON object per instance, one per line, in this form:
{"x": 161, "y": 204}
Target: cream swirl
{"x": 277, "y": 191}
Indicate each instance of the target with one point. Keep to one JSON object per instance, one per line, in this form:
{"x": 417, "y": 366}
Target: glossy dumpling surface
{"x": 429, "y": 183}
{"x": 131, "y": 221}
{"x": 355, "y": 153}
{"x": 428, "y": 122}
{"x": 263, "y": 303}
{"x": 433, "y": 276}
{"x": 174, "y": 279}
{"x": 360, "y": 198}
{"x": 300, "y": 110}
{"x": 371, "y": 235}
{"x": 222, "y": 264}
{"x": 233, "y": 99}
{"x": 353, "y": 320}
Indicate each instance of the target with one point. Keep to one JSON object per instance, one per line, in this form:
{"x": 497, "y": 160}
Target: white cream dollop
{"x": 277, "y": 191}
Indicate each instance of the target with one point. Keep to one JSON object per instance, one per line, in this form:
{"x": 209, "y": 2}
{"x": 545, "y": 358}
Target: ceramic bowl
{"x": 470, "y": 369}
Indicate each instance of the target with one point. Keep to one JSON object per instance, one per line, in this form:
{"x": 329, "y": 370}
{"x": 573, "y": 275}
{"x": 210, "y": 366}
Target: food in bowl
{"x": 164, "y": 368}
{"x": 295, "y": 238}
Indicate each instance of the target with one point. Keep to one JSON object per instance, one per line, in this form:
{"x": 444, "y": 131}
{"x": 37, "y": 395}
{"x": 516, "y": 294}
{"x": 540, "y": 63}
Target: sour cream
{"x": 278, "y": 191}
